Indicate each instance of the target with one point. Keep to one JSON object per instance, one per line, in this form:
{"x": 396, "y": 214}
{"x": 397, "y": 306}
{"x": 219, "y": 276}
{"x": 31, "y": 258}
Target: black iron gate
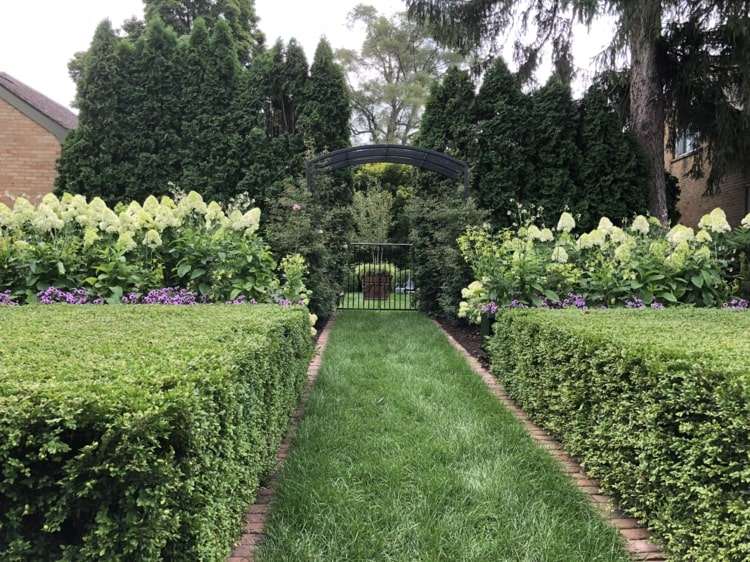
{"x": 379, "y": 277}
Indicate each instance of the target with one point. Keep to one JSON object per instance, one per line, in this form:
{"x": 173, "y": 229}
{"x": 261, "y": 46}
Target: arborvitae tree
{"x": 240, "y": 15}
{"x": 92, "y": 155}
{"x": 295, "y": 76}
{"x": 210, "y": 132}
{"x": 504, "y": 160}
{"x": 552, "y": 126}
{"x": 155, "y": 116}
{"x": 612, "y": 174}
{"x": 327, "y": 113}
{"x": 448, "y": 120}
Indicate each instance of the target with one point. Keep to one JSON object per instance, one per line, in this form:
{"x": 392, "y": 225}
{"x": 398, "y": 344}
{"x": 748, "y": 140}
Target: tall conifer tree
{"x": 327, "y": 113}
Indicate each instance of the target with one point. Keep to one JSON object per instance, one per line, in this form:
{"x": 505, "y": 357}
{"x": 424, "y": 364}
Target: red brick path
{"x": 636, "y": 538}
{"x": 255, "y": 519}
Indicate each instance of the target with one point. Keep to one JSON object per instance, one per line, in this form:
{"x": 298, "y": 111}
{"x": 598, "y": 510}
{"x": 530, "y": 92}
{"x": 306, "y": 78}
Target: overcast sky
{"x": 38, "y": 38}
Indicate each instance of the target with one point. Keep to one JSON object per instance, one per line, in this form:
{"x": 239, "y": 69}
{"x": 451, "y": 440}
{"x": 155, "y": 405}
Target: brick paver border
{"x": 637, "y": 539}
{"x": 255, "y": 520}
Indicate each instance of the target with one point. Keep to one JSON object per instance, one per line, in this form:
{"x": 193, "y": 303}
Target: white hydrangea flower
{"x": 109, "y": 222}
{"x": 151, "y": 205}
{"x": 46, "y": 220}
{"x": 152, "y": 239}
{"x": 623, "y": 252}
{"x": 715, "y": 221}
{"x": 165, "y": 218}
{"x": 126, "y": 242}
{"x": 545, "y": 235}
{"x": 640, "y": 224}
{"x": 591, "y": 239}
{"x": 249, "y": 222}
{"x": 566, "y": 223}
{"x": 533, "y": 232}
{"x": 6, "y": 216}
{"x": 73, "y": 206}
{"x": 746, "y": 221}
{"x": 51, "y": 200}
{"x": 23, "y": 211}
{"x": 560, "y": 255}
{"x": 617, "y": 235}
{"x": 463, "y": 309}
{"x": 680, "y": 233}
{"x": 192, "y": 202}
{"x": 168, "y": 202}
{"x": 90, "y": 237}
{"x": 703, "y": 236}
{"x": 215, "y": 215}
{"x": 703, "y": 253}
{"x": 605, "y": 225}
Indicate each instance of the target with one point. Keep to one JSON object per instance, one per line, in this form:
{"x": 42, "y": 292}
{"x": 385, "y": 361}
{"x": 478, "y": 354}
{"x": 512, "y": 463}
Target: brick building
{"x": 733, "y": 195}
{"x": 32, "y": 128}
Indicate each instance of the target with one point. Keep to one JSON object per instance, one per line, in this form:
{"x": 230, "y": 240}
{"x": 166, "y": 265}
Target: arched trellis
{"x": 391, "y": 153}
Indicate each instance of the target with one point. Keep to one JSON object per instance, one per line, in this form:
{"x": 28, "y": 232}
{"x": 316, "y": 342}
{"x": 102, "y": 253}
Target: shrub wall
{"x": 140, "y": 433}
{"x": 656, "y": 406}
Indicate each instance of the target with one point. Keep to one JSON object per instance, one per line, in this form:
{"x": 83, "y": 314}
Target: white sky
{"x": 38, "y": 38}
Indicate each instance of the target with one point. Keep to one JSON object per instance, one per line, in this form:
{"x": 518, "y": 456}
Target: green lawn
{"x": 403, "y": 455}
{"x": 396, "y": 301}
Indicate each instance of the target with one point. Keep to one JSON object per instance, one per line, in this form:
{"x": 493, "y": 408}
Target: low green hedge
{"x": 656, "y": 404}
{"x": 140, "y": 433}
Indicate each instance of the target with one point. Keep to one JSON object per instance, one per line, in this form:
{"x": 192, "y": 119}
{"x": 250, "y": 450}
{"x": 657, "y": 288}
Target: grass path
{"x": 404, "y": 456}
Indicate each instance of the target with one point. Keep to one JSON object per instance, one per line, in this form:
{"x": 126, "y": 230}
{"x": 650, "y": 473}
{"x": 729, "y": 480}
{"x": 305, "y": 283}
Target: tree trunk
{"x": 643, "y": 21}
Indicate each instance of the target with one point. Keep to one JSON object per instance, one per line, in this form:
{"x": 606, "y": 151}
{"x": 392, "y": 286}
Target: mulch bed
{"x": 469, "y": 337}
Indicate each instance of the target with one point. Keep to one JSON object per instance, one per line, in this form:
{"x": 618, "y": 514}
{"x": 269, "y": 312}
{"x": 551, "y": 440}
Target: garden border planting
{"x": 637, "y": 539}
{"x": 654, "y": 403}
{"x": 255, "y": 520}
{"x": 142, "y": 433}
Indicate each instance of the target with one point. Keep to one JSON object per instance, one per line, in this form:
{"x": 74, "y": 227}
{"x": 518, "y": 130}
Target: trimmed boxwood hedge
{"x": 656, "y": 404}
{"x": 140, "y": 432}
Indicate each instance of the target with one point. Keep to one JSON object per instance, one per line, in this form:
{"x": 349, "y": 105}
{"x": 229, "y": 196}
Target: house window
{"x": 686, "y": 143}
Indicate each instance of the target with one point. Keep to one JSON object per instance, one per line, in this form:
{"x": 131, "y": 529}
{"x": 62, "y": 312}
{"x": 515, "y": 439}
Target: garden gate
{"x": 379, "y": 277}
{"x": 380, "y": 274}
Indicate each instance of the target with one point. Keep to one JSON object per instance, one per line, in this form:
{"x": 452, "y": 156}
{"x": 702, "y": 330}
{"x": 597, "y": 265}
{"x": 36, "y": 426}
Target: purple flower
{"x": 6, "y": 299}
{"x": 634, "y": 302}
{"x": 170, "y": 295}
{"x": 53, "y": 295}
{"x": 489, "y": 308}
{"x": 656, "y": 305}
{"x": 515, "y": 303}
{"x": 736, "y": 303}
{"x": 574, "y": 300}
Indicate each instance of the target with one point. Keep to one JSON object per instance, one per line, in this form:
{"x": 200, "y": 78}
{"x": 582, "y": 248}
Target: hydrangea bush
{"x": 639, "y": 265}
{"x": 165, "y": 251}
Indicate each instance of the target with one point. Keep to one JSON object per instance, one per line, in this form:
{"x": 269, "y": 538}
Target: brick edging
{"x": 255, "y": 520}
{"x": 637, "y": 538}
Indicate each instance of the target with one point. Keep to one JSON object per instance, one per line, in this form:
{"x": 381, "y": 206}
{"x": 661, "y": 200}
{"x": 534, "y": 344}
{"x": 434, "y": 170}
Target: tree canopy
{"x": 687, "y": 59}
{"x": 160, "y": 113}
{"x": 541, "y": 149}
{"x": 391, "y": 75}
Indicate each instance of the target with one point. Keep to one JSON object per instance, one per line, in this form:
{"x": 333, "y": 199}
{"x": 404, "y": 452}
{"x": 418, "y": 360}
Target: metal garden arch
{"x": 391, "y": 153}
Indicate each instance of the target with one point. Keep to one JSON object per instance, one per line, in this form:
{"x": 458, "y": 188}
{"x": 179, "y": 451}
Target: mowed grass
{"x": 395, "y": 301}
{"x": 403, "y": 455}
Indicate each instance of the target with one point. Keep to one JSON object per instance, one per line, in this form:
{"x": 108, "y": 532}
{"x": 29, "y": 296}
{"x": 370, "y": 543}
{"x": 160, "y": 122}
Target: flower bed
{"x": 100, "y": 254}
{"x": 140, "y": 433}
{"x": 641, "y": 264}
{"x": 656, "y": 404}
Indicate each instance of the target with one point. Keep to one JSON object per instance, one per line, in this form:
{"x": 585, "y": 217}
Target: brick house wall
{"x": 28, "y": 153}
{"x": 693, "y": 204}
